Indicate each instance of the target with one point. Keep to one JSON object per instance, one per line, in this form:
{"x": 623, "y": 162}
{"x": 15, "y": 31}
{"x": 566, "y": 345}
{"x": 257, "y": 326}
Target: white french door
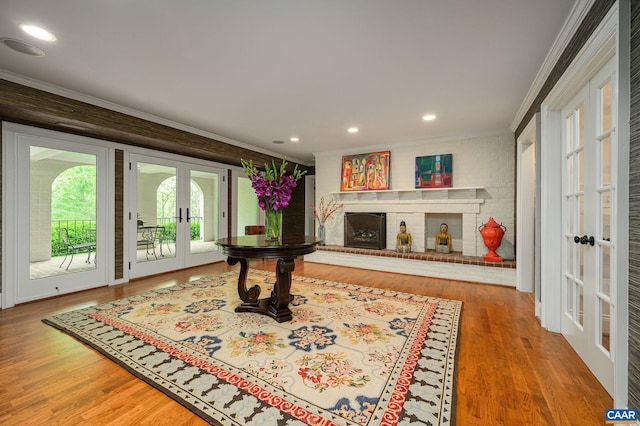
{"x": 56, "y": 196}
{"x": 205, "y": 214}
{"x": 589, "y": 207}
{"x": 177, "y": 214}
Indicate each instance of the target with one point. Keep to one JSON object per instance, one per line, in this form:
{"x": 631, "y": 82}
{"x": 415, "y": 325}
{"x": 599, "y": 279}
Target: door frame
{"x": 183, "y": 258}
{"x": 135, "y": 269}
{"x": 193, "y": 259}
{"x": 601, "y": 47}
{"x": 11, "y": 275}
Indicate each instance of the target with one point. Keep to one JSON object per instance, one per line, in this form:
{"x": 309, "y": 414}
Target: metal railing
{"x": 79, "y": 231}
{"x": 83, "y": 231}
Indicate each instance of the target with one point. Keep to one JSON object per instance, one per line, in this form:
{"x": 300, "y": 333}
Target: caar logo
{"x": 621, "y": 416}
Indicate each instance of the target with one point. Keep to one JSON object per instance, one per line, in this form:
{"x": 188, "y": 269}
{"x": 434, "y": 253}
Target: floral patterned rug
{"x": 351, "y": 355}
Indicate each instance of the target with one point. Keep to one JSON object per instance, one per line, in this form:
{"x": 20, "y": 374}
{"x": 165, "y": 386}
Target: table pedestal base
{"x": 277, "y": 305}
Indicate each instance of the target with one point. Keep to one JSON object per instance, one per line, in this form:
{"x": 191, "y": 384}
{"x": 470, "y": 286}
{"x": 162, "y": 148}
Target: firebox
{"x": 365, "y": 230}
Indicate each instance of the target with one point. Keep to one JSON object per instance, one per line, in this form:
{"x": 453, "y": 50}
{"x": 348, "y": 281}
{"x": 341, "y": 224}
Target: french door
{"x": 55, "y": 205}
{"x": 589, "y": 249}
{"x": 177, "y": 214}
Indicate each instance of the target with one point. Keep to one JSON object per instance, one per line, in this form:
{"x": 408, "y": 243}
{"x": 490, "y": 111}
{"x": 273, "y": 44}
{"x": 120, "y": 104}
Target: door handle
{"x": 188, "y": 217}
{"x": 585, "y": 240}
{"x": 576, "y": 239}
{"x": 180, "y": 214}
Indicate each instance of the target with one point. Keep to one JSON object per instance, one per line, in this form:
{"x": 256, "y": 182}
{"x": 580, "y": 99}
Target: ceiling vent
{"x": 21, "y": 46}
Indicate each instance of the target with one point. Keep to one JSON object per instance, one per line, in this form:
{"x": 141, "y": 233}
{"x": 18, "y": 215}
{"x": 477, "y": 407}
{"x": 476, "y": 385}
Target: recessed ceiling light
{"x": 294, "y": 139}
{"x": 278, "y": 142}
{"x": 37, "y": 32}
{"x": 429, "y": 117}
{"x": 21, "y": 46}
{"x": 352, "y": 130}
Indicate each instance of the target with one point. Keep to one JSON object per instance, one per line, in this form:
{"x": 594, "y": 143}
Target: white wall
{"x": 487, "y": 161}
{"x": 248, "y": 210}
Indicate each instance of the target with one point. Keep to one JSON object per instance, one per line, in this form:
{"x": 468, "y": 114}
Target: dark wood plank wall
{"x": 21, "y": 104}
{"x": 26, "y": 105}
{"x": 634, "y": 212}
{"x": 118, "y": 267}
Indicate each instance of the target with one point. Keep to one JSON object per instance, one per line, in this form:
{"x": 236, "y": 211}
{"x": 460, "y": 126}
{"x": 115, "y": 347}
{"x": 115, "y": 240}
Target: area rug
{"x": 351, "y": 355}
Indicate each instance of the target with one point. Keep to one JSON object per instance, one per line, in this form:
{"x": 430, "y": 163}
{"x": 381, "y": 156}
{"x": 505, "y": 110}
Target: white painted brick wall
{"x": 472, "y": 273}
{"x": 487, "y": 161}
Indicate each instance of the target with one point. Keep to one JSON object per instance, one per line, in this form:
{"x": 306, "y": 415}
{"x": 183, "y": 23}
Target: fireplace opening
{"x": 365, "y": 230}
{"x": 432, "y": 228}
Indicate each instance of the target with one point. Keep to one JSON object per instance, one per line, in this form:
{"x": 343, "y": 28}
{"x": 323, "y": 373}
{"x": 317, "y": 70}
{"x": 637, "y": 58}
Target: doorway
{"x": 248, "y": 212}
{"x": 527, "y": 274}
{"x": 176, "y": 213}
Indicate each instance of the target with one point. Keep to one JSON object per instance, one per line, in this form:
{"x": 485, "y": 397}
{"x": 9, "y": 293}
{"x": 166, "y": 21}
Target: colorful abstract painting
{"x": 434, "y": 171}
{"x": 365, "y": 172}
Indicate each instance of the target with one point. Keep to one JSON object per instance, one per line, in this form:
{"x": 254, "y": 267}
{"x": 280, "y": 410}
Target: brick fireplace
{"x": 423, "y": 211}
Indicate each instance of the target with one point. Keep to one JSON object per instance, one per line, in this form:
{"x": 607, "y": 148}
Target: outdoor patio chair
{"x": 73, "y": 248}
{"x": 149, "y": 234}
{"x": 166, "y": 235}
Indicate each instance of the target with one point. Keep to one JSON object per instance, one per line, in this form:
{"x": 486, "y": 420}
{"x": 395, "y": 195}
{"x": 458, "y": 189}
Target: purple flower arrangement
{"x": 272, "y": 186}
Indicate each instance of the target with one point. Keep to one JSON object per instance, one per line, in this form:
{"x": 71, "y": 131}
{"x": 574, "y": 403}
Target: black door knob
{"x": 585, "y": 240}
{"x": 576, "y": 239}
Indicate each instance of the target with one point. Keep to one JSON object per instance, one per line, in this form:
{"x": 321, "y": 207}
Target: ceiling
{"x": 252, "y": 72}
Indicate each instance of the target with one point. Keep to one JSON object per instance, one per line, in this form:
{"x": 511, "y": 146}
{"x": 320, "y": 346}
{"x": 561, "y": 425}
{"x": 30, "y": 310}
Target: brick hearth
{"x": 429, "y": 255}
{"x": 452, "y": 266}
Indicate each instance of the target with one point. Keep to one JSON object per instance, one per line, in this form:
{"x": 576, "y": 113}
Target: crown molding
{"x": 575, "y": 18}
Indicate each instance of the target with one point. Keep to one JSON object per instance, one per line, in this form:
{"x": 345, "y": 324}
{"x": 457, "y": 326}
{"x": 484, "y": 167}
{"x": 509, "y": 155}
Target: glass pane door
{"x": 605, "y": 143}
{"x": 204, "y": 214}
{"x": 155, "y": 217}
{"x": 62, "y": 212}
{"x": 57, "y": 191}
{"x": 589, "y": 210}
{"x": 177, "y": 214}
{"x": 574, "y": 221}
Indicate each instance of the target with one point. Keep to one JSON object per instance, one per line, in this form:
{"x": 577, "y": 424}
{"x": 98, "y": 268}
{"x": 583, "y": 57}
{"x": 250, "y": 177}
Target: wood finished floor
{"x": 510, "y": 370}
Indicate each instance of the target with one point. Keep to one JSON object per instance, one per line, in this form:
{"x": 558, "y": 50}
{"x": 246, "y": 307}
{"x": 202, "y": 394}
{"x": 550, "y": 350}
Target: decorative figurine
{"x": 403, "y": 240}
{"x": 443, "y": 240}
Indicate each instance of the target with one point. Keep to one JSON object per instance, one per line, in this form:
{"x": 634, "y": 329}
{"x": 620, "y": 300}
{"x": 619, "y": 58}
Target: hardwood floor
{"x": 510, "y": 370}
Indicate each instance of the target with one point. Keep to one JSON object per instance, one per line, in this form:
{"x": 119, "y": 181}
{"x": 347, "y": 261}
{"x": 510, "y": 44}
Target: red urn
{"x": 492, "y": 234}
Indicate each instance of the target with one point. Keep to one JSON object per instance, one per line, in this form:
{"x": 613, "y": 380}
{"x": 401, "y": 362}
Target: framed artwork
{"x": 434, "y": 171}
{"x": 365, "y": 172}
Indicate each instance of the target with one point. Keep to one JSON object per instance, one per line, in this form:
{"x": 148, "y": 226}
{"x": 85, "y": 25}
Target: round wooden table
{"x": 239, "y": 249}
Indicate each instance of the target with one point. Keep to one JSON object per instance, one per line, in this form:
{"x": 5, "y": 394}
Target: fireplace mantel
{"x": 470, "y": 192}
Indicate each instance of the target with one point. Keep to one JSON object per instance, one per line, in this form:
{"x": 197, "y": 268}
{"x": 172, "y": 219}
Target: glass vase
{"x": 321, "y": 232}
{"x": 272, "y": 224}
